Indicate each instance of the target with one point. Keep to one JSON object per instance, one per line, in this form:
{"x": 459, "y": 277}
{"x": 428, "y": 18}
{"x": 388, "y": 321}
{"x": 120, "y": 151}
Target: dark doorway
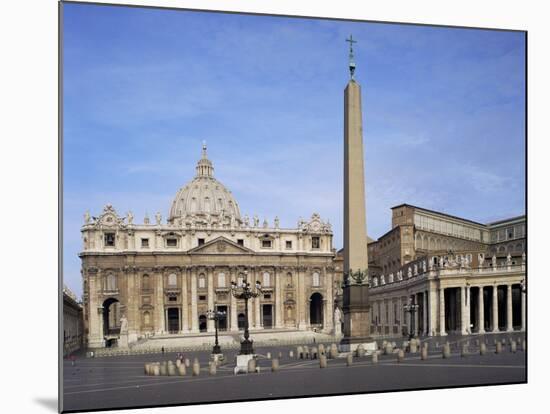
{"x": 267, "y": 312}
{"x": 316, "y": 310}
{"x": 111, "y": 317}
{"x": 222, "y": 321}
{"x": 488, "y": 308}
{"x": 202, "y": 323}
{"x": 241, "y": 318}
{"x": 173, "y": 315}
{"x": 473, "y": 301}
{"x": 452, "y": 310}
{"x": 516, "y": 306}
{"x": 501, "y": 295}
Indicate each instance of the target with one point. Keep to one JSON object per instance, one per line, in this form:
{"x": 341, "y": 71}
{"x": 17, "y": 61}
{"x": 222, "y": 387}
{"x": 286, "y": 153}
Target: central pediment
{"x": 220, "y": 245}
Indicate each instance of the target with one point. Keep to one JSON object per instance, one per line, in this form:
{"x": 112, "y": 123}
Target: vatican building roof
{"x": 204, "y": 196}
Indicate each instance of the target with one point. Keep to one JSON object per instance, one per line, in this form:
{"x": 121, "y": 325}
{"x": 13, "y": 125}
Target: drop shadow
{"x": 49, "y": 403}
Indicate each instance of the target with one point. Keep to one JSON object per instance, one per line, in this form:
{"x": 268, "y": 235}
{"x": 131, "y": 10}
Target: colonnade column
{"x": 416, "y": 316}
{"x": 234, "y": 326}
{"x": 509, "y": 319}
{"x": 480, "y": 312}
{"x": 425, "y": 313}
{"x": 210, "y": 322}
{"x": 432, "y": 322}
{"x": 463, "y": 324}
{"x": 184, "y": 317}
{"x": 495, "y": 308}
{"x": 442, "y": 312}
{"x": 523, "y": 309}
{"x": 194, "y": 310}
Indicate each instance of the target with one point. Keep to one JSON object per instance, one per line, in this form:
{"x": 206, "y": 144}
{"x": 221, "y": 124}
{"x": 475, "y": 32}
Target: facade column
{"x": 432, "y": 321}
{"x": 184, "y": 317}
{"x": 523, "y": 309}
{"x": 277, "y": 274}
{"x": 210, "y": 322}
{"x": 255, "y": 304}
{"x": 425, "y": 312}
{"x": 495, "y": 308}
{"x": 509, "y": 316}
{"x": 480, "y": 312}
{"x": 159, "y": 306}
{"x": 234, "y": 326}
{"x": 442, "y": 331}
{"x": 328, "y": 323}
{"x": 300, "y": 306}
{"x": 194, "y": 306}
{"x": 416, "y": 316}
{"x": 463, "y": 324}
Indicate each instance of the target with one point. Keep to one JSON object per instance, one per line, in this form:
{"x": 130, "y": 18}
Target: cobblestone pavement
{"x": 112, "y": 382}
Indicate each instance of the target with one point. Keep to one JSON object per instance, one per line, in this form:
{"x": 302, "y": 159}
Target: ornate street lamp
{"x": 411, "y": 307}
{"x": 215, "y": 315}
{"x": 245, "y": 291}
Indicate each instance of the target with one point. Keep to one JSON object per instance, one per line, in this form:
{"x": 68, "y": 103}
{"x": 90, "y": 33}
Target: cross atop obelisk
{"x": 351, "y": 57}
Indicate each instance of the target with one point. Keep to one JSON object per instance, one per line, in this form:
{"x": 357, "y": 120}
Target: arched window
{"x": 315, "y": 279}
{"x": 145, "y": 282}
{"x": 289, "y": 279}
{"x": 267, "y": 281}
{"x": 111, "y": 282}
{"x": 221, "y": 279}
{"x": 172, "y": 280}
{"x": 202, "y": 281}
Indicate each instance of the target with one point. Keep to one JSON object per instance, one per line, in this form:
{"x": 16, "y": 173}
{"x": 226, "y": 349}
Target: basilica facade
{"x": 162, "y": 277}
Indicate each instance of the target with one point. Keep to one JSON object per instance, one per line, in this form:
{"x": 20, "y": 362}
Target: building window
{"x": 145, "y": 282}
{"x": 315, "y": 279}
{"x": 172, "y": 299}
{"x": 202, "y": 282}
{"x": 221, "y": 280}
{"x": 172, "y": 280}
{"x": 267, "y": 279}
{"x": 266, "y": 244}
{"x": 144, "y": 243}
{"x": 315, "y": 242}
{"x": 109, "y": 239}
{"x": 110, "y": 282}
{"x": 171, "y": 242}
{"x": 146, "y": 318}
{"x": 267, "y": 296}
{"x": 201, "y": 242}
{"x": 289, "y": 244}
{"x": 240, "y": 242}
{"x": 202, "y": 297}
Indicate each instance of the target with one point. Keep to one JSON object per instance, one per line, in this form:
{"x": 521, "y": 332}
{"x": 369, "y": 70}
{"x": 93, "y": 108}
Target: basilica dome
{"x": 204, "y": 196}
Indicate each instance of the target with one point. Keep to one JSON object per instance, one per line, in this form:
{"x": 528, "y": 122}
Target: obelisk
{"x": 355, "y": 305}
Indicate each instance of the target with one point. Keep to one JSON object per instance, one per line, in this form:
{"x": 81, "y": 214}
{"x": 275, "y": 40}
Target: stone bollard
{"x": 482, "y": 349}
{"x": 251, "y": 366}
{"x": 178, "y": 363}
{"x": 187, "y": 363}
{"x": 163, "y": 368}
{"x": 513, "y": 347}
{"x": 171, "y": 369}
{"x": 212, "y": 368}
{"x": 306, "y": 352}
{"x": 388, "y": 349}
{"x": 196, "y": 367}
{"x": 321, "y": 349}
{"x": 291, "y": 354}
{"x": 182, "y": 370}
{"x": 360, "y": 351}
{"x": 498, "y": 347}
{"x": 300, "y": 352}
{"x": 323, "y": 361}
{"x": 400, "y": 355}
{"x": 446, "y": 350}
{"x": 333, "y": 351}
{"x": 349, "y": 359}
{"x": 375, "y": 357}
{"x": 464, "y": 350}
{"x": 314, "y": 353}
{"x": 268, "y": 355}
{"x": 413, "y": 346}
{"x": 424, "y": 353}
{"x": 147, "y": 369}
{"x": 156, "y": 369}
{"x": 523, "y": 345}
{"x": 274, "y": 365}
{"x": 280, "y": 355}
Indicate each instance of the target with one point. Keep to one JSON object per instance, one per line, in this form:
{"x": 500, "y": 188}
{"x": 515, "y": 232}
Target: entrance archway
{"x": 111, "y": 317}
{"x": 316, "y": 310}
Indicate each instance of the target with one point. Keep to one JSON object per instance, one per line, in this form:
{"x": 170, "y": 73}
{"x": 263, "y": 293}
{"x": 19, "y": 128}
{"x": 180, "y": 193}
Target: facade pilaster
{"x": 159, "y": 306}
{"x": 278, "y": 274}
{"x": 194, "y": 305}
{"x": 234, "y": 326}
{"x": 185, "y": 276}
{"x": 210, "y": 322}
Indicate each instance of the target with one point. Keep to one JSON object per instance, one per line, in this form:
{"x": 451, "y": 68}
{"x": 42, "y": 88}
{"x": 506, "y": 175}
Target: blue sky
{"x": 443, "y": 115}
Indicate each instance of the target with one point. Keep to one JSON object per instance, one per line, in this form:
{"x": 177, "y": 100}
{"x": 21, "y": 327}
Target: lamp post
{"x": 411, "y": 307}
{"x": 215, "y": 315}
{"x": 245, "y": 291}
